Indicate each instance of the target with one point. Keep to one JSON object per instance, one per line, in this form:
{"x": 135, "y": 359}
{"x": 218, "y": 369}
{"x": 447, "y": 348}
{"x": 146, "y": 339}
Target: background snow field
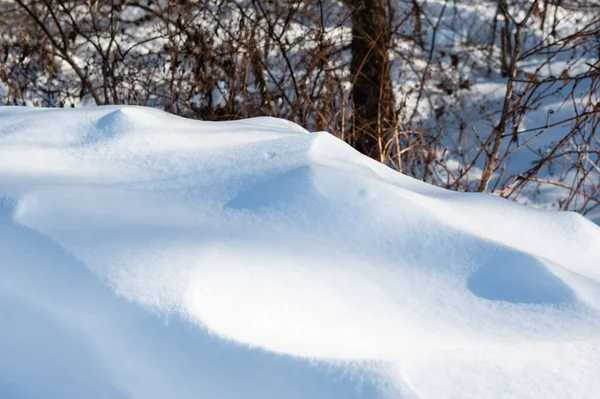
{"x": 143, "y": 255}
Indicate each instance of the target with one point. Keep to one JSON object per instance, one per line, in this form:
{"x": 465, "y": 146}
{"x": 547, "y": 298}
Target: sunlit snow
{"x": 144, "y": 255}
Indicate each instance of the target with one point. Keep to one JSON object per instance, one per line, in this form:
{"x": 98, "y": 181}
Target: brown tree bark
{"x": 371, "y": 82}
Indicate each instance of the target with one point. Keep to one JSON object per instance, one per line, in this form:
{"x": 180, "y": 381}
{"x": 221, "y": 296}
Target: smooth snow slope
{"x": 273, "y": 238}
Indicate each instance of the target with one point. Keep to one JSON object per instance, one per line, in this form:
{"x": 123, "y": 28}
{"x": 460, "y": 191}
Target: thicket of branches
{"x": 489, "y": 95}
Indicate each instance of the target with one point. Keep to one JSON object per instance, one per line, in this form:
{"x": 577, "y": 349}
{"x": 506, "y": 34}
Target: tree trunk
{"x": 370, "y": 68}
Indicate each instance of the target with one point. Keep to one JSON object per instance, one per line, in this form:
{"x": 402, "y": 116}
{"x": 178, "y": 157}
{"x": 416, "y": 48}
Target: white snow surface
{"x": 144, "y": 255}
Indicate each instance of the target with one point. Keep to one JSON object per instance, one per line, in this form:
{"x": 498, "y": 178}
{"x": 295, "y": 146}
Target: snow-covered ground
{"x": 144, "y": 255}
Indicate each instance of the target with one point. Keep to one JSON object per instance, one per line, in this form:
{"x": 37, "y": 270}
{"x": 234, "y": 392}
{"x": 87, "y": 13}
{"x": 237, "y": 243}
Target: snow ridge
{"x": 261, "y": 233}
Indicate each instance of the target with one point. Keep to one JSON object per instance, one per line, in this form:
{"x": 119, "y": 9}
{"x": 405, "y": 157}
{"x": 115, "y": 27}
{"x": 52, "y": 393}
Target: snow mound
{"x": 261, "y": 233}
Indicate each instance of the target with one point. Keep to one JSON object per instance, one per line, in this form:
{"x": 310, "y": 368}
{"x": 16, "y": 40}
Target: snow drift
{"x": 146, "y": 255}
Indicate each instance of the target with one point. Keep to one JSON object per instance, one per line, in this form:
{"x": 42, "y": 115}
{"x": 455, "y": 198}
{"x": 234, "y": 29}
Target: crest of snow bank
{"x": 296, "y": 243}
